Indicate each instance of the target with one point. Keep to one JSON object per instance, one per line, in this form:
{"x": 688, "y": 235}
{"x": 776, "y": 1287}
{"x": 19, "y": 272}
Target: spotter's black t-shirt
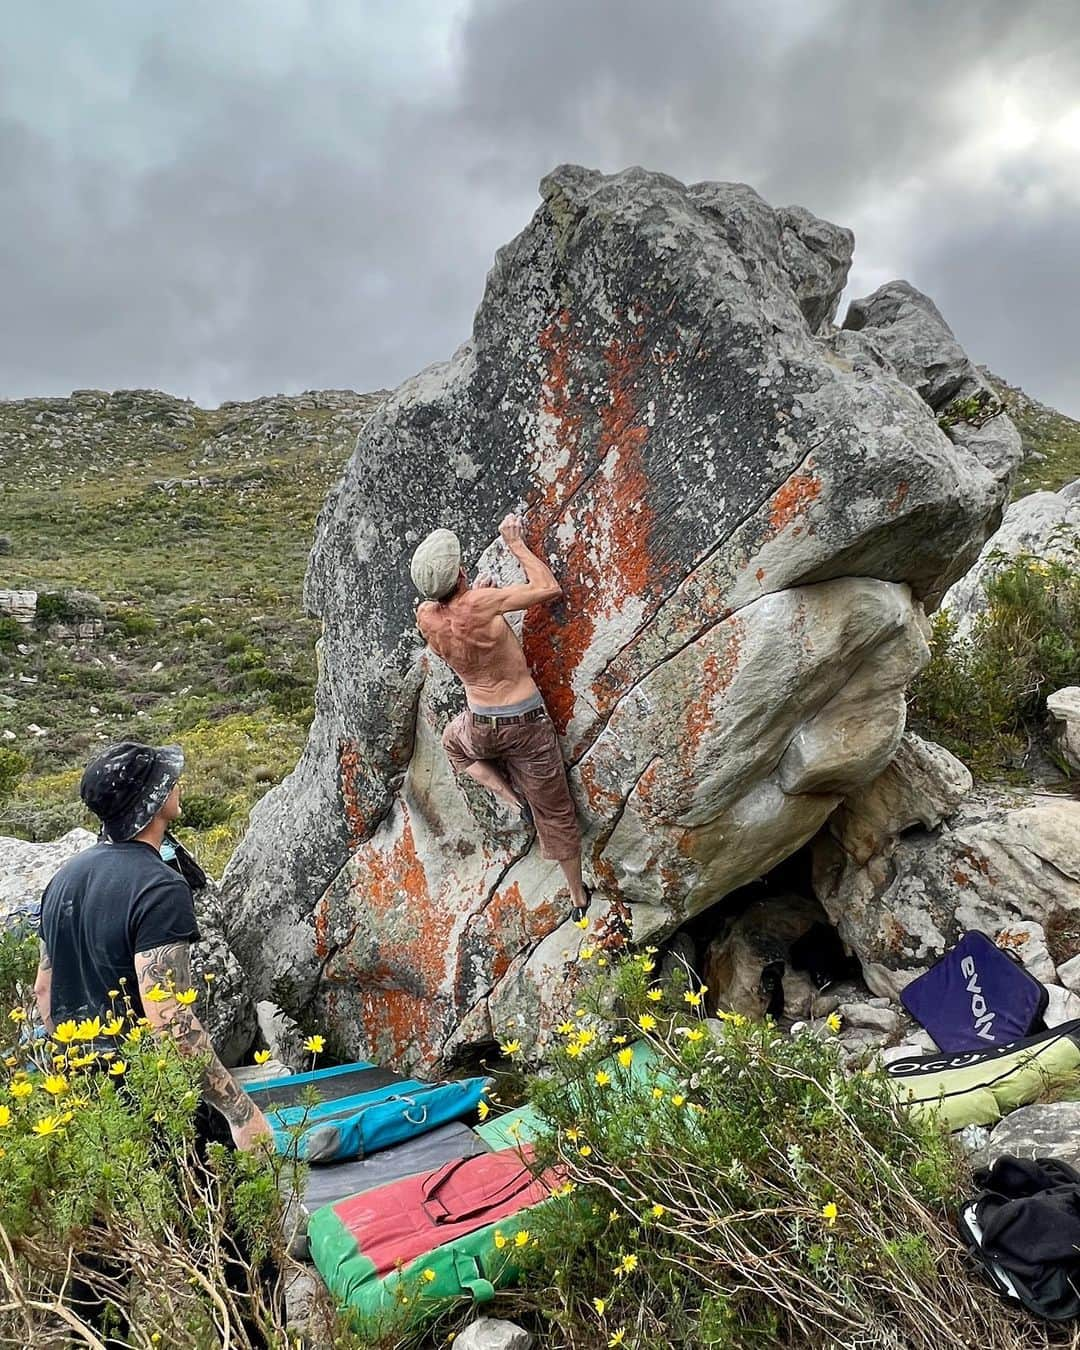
{"x": 101, "y": 908}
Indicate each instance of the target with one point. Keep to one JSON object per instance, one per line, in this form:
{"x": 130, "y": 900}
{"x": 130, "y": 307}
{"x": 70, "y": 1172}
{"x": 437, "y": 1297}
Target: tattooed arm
{"x": 43, "y": 986}
{"x": 170, "y": 967}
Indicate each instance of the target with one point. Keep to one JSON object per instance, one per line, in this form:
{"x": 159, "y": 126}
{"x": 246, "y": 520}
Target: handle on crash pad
{"x": 411, "y": 1101}
{"x": 472, "y": 1279}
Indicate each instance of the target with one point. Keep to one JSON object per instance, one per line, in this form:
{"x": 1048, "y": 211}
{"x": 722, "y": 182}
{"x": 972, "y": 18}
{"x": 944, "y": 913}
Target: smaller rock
{"x": 260, "y": 1073}
{"x": 1047, "y": 1129}
{"x": 1068, "y": 974}
{"x": 1064, "y": 1006}
{"x": 973, "y": 1138}
{"x": 1027, "y": 940}
{"x": 905, "y": 1050}
{"x": 282, "y": 1036}
{"x": 492, "y": 1333}
{"x": 867, "y": 1017}
{"x": 1064, "y": 710}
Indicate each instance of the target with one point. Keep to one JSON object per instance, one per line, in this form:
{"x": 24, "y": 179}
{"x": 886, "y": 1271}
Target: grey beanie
{"x": 435, "y": 564}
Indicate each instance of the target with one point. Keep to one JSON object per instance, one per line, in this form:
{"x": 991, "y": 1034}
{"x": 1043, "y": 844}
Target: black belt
{"x": 497, "y": 719}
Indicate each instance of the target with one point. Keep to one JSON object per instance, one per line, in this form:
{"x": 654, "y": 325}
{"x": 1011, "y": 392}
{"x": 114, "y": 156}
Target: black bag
{"x": 1023, "y": 1229}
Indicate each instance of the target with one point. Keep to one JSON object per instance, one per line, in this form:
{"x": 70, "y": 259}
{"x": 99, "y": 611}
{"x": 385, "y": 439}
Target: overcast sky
{"x": 240, "y": 197}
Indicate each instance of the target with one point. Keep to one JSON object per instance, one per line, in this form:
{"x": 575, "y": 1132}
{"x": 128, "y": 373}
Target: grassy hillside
{"x": 192, "y": 527}
{"x": 1051, "y": 440}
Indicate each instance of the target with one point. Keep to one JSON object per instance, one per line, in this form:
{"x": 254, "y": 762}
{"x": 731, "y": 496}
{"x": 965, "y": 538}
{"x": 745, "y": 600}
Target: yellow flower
{"x": 693, "y": 998}
{"x": 55, "y": 1084}
{"x": 602, "y": 1078}
{"x": 626, "y": 1057}
{"x": 657, "y": 1093}
{"x": 613, "y": 1215}
{"x": 647, "y": 1022}
{"x": 627, "y": 1265}
{"x": 828, "y": 1213}
{"x": 89, "y": 1029}
{"x": 157, "y": 994}
{"x": 694, "y": 1034}
{"x": 599, "y": 1304}
{"x": 587, "y": 953}
{"x": 135, "y": 1035}
{"x": 500, "y": 1239}
{"x": 187, "y": 998}
{"x": 574, "y": 1049}
{"x": 586, "y": 1037}
{"x": 11, "y": 1061}
{"x": 48, "y": 1125}
{"x": 118, "y": 1068}
{"x": 657, "y": 1211}
{"x": 654, "y": 995}
{"x": 113, "y": 1026}
{"x": 581, "y": 923}
{"x": 315, "y": 1045}
{"x": 261, "y": 1056}
{"x": 81, "y": 1061}
{"x": 429, "y": 1275}
{"x": 511, "y": 1047}
{"x": 208, "y": 976}
{"x": 521, "y": 1238}
{"x": 514, "y": 1129}
{"x": 66, "y": 1032}
{"x": 565, "y": 1028}
{"x": 5, "y": 1116}
{"x": 646, "y": 965}
{"x": 618, "y": 1040}
{"x": 618, "y": 1338}
{"x": 114, "y": 993}
{"x": 565, "y": 1189}
{"x": 602, "y": 962}
{"x": 585, "y": 1151}
{"x": 833, "y": 1022}
{"x": 483, "y": 1110}
{"x": 17, "y": 1014}
{"x": 677, "y": 1099}
{"x": 21, "y": 1090}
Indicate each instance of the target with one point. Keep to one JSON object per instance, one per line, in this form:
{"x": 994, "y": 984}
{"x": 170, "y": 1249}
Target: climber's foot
{"x": 578, "y": 912}
{"x": 526, "y": 814}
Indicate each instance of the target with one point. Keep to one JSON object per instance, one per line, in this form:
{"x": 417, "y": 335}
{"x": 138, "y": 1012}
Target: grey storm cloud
{"x": 226, "y": 201}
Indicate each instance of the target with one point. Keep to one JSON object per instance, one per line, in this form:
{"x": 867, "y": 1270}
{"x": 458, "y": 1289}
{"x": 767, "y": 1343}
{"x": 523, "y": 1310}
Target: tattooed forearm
{"x": 43, "y": 987}
{"x": 170, "y": 968}
{"x": 43, "y": 956}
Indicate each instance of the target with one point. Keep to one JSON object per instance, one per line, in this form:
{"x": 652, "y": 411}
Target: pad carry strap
{"x": 521, "y": 1180}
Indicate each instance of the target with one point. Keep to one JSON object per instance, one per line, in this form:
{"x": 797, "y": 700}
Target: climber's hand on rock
{"x": 483, "y": 582}
{"x": 510, "y": 529}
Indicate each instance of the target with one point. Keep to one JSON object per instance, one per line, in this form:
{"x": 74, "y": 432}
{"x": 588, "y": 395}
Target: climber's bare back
{"x": 479, "y": 646}
{"x": 469, "y": 630}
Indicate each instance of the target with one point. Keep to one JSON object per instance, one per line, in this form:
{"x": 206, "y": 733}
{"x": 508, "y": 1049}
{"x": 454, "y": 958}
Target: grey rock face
{"x": 1044, "y": 524}
{"x": 1005, "y": 865}
{"x": 224, "y": 1006}
{"x": 1046, "y": 1129}
{"x": 745, "y": 509}
{"x": 1064, "y": 709}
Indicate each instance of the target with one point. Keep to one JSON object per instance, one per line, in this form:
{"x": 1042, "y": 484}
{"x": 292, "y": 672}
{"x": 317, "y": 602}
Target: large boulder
{"x": 224, "y": 1005}
{"x": 1045, "y": 525}
{"x": 1007, "y": 865}
{"x": 1063, "y": 707}
{"x": 746, "y": 509}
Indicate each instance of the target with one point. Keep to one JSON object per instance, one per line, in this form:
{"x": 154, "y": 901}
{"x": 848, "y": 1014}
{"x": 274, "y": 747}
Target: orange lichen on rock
{"x": 792, "y": 499}
{"x": 413, "y": 928}
{"x": 351, "y": 784}
{"x": 512, "y": 925}
{"x": 607, "y": 559}
{"x": 898, "y": 497}
{"x": 717, "y": 672}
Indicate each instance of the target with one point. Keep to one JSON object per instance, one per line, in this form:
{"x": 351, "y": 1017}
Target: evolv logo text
{"x": 984, "y": 1018}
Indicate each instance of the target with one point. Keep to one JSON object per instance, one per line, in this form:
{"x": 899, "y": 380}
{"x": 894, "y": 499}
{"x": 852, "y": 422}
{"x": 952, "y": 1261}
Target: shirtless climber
{"x": 504, "y": 739}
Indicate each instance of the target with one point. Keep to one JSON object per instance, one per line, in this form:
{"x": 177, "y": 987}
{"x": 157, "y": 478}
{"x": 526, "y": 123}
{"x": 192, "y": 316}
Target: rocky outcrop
{"x": 1044, "y": 525}
{"x": 746, "y": 510}
{"x": 224, "y": 1006}
{"x": 1064, "y": 710}
{"x": 1006, "y": 865}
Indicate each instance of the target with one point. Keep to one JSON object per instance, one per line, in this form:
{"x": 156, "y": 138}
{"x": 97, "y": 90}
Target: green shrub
{"x": 984, "y": 696}
{"x": 11, "y": 631}
{"x": 134, "y": 624}
{"x": 18, "y": 965}
{"x": 202, "y": 810}
{"x": 69, "y": 606}
{"x": 744, "y": 1190}
{"x": 12, "y": 767}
